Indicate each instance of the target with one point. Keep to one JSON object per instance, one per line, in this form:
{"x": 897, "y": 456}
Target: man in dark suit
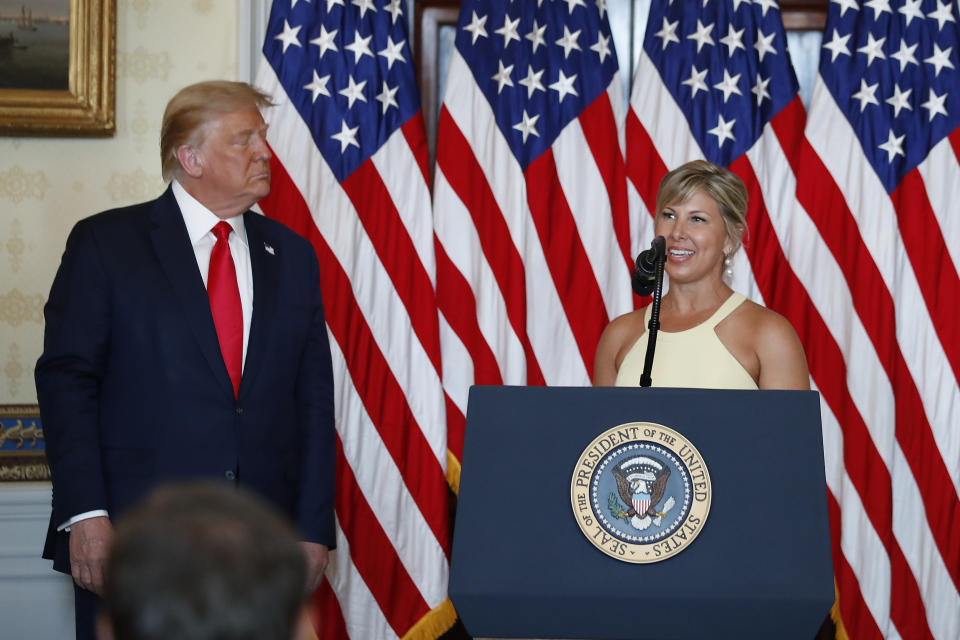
{"x": 185, "y": 338}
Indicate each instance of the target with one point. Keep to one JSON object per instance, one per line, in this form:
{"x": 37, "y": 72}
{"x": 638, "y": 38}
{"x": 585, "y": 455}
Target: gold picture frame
{"x": 87, "y": 107}
{"x": 22, "y": 446}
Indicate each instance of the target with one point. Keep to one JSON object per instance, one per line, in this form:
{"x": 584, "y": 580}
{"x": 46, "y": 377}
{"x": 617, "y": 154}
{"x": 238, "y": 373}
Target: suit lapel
{"x": 178, "y": 260}
{"x": 264, "y": 265}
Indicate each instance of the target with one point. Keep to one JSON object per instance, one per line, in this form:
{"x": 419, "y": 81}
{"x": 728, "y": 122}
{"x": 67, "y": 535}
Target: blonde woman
{"x": 710, "y": 336}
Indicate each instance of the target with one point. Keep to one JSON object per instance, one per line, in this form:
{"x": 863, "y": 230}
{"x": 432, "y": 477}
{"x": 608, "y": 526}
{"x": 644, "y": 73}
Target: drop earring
{"x": 728, "y": 267}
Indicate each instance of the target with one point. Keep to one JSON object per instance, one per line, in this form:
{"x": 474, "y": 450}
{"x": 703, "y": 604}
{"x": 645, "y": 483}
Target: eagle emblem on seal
{"x": 641, "y": 483}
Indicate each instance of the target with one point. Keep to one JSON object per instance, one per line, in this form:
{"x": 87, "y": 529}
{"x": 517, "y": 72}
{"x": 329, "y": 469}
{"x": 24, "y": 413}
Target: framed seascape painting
{"x": 57, "y": 67}
{"x": 22, "y": 450}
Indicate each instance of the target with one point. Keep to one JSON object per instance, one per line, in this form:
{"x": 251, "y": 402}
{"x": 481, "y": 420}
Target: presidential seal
{"x": 640, "y": 492}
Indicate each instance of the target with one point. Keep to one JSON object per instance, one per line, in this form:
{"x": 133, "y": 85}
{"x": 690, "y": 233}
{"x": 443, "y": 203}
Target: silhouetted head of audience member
{"x": 204, "y": 562}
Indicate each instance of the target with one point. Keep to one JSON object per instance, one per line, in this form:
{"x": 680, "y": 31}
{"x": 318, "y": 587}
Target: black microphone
{"x": 645, "y": 272}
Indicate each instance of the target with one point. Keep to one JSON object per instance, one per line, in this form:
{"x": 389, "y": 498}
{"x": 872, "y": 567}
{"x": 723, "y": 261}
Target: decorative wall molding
{"x": 37, "y": 601}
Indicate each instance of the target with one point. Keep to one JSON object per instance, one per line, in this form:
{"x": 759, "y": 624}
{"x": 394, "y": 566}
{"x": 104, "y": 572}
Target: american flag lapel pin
{"x": 269, "y": 249}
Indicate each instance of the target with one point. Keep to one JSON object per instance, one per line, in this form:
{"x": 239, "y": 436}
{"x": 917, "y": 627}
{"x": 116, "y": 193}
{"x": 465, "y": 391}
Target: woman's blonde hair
{"x": 724, "y": 186}
{"x": 193, "y": 107}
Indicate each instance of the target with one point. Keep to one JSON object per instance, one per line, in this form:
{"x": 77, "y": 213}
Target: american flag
{"x": 530, "y": 201}
{"x": 878, "y": 179}
{"x": 350, "y": 174}
{"x": 851, "y": 238}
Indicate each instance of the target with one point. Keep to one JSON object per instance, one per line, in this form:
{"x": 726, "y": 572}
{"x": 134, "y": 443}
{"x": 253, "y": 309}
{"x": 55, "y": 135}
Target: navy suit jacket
{"x": 133, "y": 390}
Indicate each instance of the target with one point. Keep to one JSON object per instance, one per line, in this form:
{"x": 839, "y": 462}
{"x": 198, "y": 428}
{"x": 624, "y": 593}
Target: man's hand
{"x": 317, "y": 556}
{"x": 89, "y": 544}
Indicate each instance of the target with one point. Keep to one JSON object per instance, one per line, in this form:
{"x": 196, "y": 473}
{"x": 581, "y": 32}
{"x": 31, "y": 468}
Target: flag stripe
{"x": 416, "y": 136}
{"x": 934, "y": 271}
{"x": 663, "y": 120}
{"x": 464, "y": 175}
{"x": 456, "y": 421}
{"x": 866, "y": 582}
{"x": 375, "y": 474}
{"x": 906, "y": 535}
{"x": 566, "y": 257}
{"x": 350, "y": 174}
{"x": 645, "y": 168}
{"x": 379, "y": 216}
{"x": 335, "y": 219}
{"x": 818, "y": 194}
{"x": 854, "y": 609}
{"x": 400, "y": 172}
{"x": 356, "y": 518}
{"x": 600, "y": 132}
{"x": 362, "y": 615}
{"x": 918, "y": 341}
{"x": 459, "y": 309}
{"x": 584, "y": 182}
{"x": 461, "y": 242}
{"x": 408, "y": 447}
{"x": 385, "y": 576}
{"x": 784, "y": 292}
{"x": 328, "y": 622}
{"x": 942, "y": 170}
{"x": 875, "y": 409}
{"x": 462, "y": 317}
{"x": 941, "y": 599}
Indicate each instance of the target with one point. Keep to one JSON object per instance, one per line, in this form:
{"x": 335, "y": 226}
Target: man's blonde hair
{"x": 724, "y": 186}
{"x": 193, "y": 107}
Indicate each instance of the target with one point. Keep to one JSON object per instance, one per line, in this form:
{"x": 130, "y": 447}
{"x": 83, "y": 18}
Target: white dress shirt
{"x": 200, "y": 222}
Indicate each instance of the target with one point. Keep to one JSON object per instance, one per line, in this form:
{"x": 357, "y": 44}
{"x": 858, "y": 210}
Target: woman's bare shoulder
{"x": 778, "y": 347}
{"x": 627, "y": 324}
{"x": 765, "y": 324}
{"x": 621, "y": 333}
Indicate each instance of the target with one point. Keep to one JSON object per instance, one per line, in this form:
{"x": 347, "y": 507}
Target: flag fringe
{"x": 838, "y": 621}
{"x": 453, "y": 472}
{"x": 434, "y": 624}
{"x": 841, "y": 631}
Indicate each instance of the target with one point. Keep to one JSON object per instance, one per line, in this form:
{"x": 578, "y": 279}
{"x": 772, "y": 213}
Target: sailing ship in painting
{"x": 25, "y": 23}
{"x": 35, "y": 45}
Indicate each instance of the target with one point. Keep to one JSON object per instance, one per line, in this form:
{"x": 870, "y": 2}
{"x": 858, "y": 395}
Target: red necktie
{"x": 225, "y": 304}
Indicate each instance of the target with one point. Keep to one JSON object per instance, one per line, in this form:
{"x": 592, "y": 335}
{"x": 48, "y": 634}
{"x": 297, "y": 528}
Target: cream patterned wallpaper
{"x": 47, "y": 184}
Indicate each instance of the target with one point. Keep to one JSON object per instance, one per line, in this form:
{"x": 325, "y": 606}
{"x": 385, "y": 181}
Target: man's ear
{"x": 191, "y": 160}
{"x": 104, "y": 627}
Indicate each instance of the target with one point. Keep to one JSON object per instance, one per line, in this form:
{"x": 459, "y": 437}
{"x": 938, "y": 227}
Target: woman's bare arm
{"x": 615, "y": 336}
{"x": 782, "y": 361}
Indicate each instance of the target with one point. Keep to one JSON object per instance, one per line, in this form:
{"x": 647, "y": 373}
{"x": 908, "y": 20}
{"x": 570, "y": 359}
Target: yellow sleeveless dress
{"x": 694, "y": 358}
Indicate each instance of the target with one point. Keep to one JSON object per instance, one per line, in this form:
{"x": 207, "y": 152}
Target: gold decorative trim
{"x": 22, "y": 457}
{"x": 453, "y": 472}
{"x": 87, "y": 107}
{"x": 837, "y": 617}
{"x": 434, "y": 624}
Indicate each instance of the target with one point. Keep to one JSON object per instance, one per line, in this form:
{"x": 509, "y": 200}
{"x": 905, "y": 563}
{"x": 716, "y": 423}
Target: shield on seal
{"x": 641, "y": 502}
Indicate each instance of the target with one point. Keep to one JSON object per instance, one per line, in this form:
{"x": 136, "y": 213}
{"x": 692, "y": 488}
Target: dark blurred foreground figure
{"x": 204, "y": 562}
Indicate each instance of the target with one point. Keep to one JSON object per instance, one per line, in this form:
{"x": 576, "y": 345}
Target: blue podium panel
{"x": 759, "y": 567}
